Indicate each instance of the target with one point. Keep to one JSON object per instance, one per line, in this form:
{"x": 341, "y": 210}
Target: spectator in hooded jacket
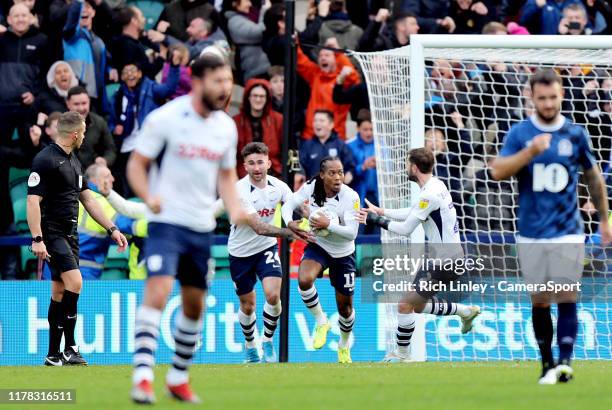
{"x": 137, "y": 96}
{"x": 258, "y": 122}
{"x": 321, "y": 77}
{"x": 338, "y": 25}
{"x": 86, "y": 53}
{"x": 60, "y": 79}
{"x": 201, "y": 35}
{"x": 248, "y": 38}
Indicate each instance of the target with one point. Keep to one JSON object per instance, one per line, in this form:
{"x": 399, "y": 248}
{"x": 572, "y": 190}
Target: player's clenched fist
{"x": 540, "y": 143}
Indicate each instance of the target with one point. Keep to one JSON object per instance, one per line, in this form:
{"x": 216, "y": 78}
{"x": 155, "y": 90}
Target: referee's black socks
{"x": 543, "y": 330}
{"x": 55, "y": 317}
{"x": 69, "y": 302}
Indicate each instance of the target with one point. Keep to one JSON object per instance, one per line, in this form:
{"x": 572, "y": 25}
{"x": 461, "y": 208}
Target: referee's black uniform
{"x": 58, "y": 178}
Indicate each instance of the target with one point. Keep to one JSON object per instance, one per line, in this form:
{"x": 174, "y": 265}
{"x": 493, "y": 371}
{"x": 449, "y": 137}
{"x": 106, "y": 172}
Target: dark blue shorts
{"x": 246, "y": 270}
{"x": 178, "y": 251}
{"x": 341, "y": 270}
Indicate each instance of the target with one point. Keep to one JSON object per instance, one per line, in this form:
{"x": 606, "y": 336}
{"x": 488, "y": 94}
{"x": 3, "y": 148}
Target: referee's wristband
{"x": 112, "y": 229}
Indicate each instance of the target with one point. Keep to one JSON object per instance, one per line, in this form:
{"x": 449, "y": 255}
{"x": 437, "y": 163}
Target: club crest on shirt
{"x": 333, "y": 152}
{"x": 424, "y": 203}
{"x": 565, "y": 148}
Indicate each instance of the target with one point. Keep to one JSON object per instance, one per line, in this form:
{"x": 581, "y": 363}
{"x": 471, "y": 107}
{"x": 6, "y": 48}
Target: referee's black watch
{"x": 37, "y": 239}
{"x": 110, "y": 230}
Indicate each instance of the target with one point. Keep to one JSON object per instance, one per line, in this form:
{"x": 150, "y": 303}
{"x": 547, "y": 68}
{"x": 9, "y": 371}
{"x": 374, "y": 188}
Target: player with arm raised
{"x": 185, "y": 153}
{"x": 332, "y": 207}
{"x": 253, "y": 248}
{"x": 435, "y": 211}
{"x": 545, "y": 153}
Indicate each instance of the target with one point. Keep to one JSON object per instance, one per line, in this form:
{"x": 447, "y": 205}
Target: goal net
{"x": 460, "y": 95}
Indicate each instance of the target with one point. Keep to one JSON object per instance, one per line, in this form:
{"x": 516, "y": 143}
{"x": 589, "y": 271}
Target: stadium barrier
{"x": 106, "y": 326}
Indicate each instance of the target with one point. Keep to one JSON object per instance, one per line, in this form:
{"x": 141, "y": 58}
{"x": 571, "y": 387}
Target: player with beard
{"x": 433, "y": 209}
{"x": 546, "y": 153}
{"x": 184, "y": 155}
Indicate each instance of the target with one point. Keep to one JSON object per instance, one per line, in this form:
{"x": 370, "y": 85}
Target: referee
{"x": 55, "y": 186}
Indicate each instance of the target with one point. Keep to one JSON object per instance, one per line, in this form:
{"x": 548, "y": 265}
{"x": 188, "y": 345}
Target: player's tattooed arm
{"x": 597, "y": 189}
{"x": 265, "y": 229}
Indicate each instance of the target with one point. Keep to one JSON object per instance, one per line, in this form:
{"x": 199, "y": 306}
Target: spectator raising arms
{"x": 258, "y": 122}
{"x": 433, "y": 15}
{"x": 130, "y": 47}
{"x": 470, "y": 16}
{"x": 251, "y": 61}
{"x": 338, "y": 25}
{"x": 60, "y": 79}
{"x": 396, "y": 35}
{"x": 86, "y": 53}
{"x": 322, "y": 77}
{"x": 178, "y": 13}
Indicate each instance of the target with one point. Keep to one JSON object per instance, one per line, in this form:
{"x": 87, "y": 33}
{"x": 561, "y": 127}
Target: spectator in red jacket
{"x": 321, "y": 77}
{"x": 258, "y": 122}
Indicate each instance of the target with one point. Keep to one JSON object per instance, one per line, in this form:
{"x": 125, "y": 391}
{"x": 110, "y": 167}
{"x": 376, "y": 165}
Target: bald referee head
{"x": 71, "y": 129}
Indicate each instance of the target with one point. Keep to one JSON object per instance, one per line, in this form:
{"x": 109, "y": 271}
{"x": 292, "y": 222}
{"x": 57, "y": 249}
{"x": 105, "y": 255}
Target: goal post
{"x": 461, "y": 94}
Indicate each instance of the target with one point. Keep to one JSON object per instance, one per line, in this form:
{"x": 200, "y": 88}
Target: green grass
{"x": 371, "y": 386}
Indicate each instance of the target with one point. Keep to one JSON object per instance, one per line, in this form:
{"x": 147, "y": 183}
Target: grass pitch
{"x": 369, "y": 386}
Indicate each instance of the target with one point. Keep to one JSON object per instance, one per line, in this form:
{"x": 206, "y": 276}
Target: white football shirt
{"x": 189, "y": 151}
{"x": 243, "y": 240}
{"x": 434, "y": 209}
{"x": 345, "y": 204}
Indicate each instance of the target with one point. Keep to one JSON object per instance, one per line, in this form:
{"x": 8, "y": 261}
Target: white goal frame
{"x": 415, "y": 53}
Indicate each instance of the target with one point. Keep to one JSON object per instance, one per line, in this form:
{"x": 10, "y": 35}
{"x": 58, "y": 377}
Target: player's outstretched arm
{"x": 133, "y": 210}
{"x": 504, "y": 167}
{"x": 226, "y": 183}
{"x": 599, "y": 196}
{"x": 265, "y": 229}
{"x": 94, "y": 209}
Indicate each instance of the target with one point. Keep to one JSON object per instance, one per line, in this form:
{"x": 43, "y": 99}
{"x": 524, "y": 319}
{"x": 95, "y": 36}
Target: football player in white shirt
{"x": 333, "y": 209}
{"x": 185, "y": 153}
{"x": 436, "y": 212}
{"x": 253, "y": 248}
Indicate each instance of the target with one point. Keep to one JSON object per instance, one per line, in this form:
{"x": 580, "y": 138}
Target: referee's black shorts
{"x": 64, "y": 252}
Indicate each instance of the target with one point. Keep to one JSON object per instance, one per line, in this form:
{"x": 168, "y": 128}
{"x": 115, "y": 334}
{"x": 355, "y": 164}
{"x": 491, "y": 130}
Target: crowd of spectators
{"x": 104, "y": 59}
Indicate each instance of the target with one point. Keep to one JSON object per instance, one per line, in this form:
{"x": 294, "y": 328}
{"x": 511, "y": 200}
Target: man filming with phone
{"x": 574, "y": 21}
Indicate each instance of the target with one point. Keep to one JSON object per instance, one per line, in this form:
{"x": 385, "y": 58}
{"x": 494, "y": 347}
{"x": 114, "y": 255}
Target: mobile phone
{"x": 574, "y": 25}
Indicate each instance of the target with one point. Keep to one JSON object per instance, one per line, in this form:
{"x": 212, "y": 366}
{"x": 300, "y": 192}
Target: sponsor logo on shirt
{"x": 192, "y": 151}
{"x": 266, "y": 212}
